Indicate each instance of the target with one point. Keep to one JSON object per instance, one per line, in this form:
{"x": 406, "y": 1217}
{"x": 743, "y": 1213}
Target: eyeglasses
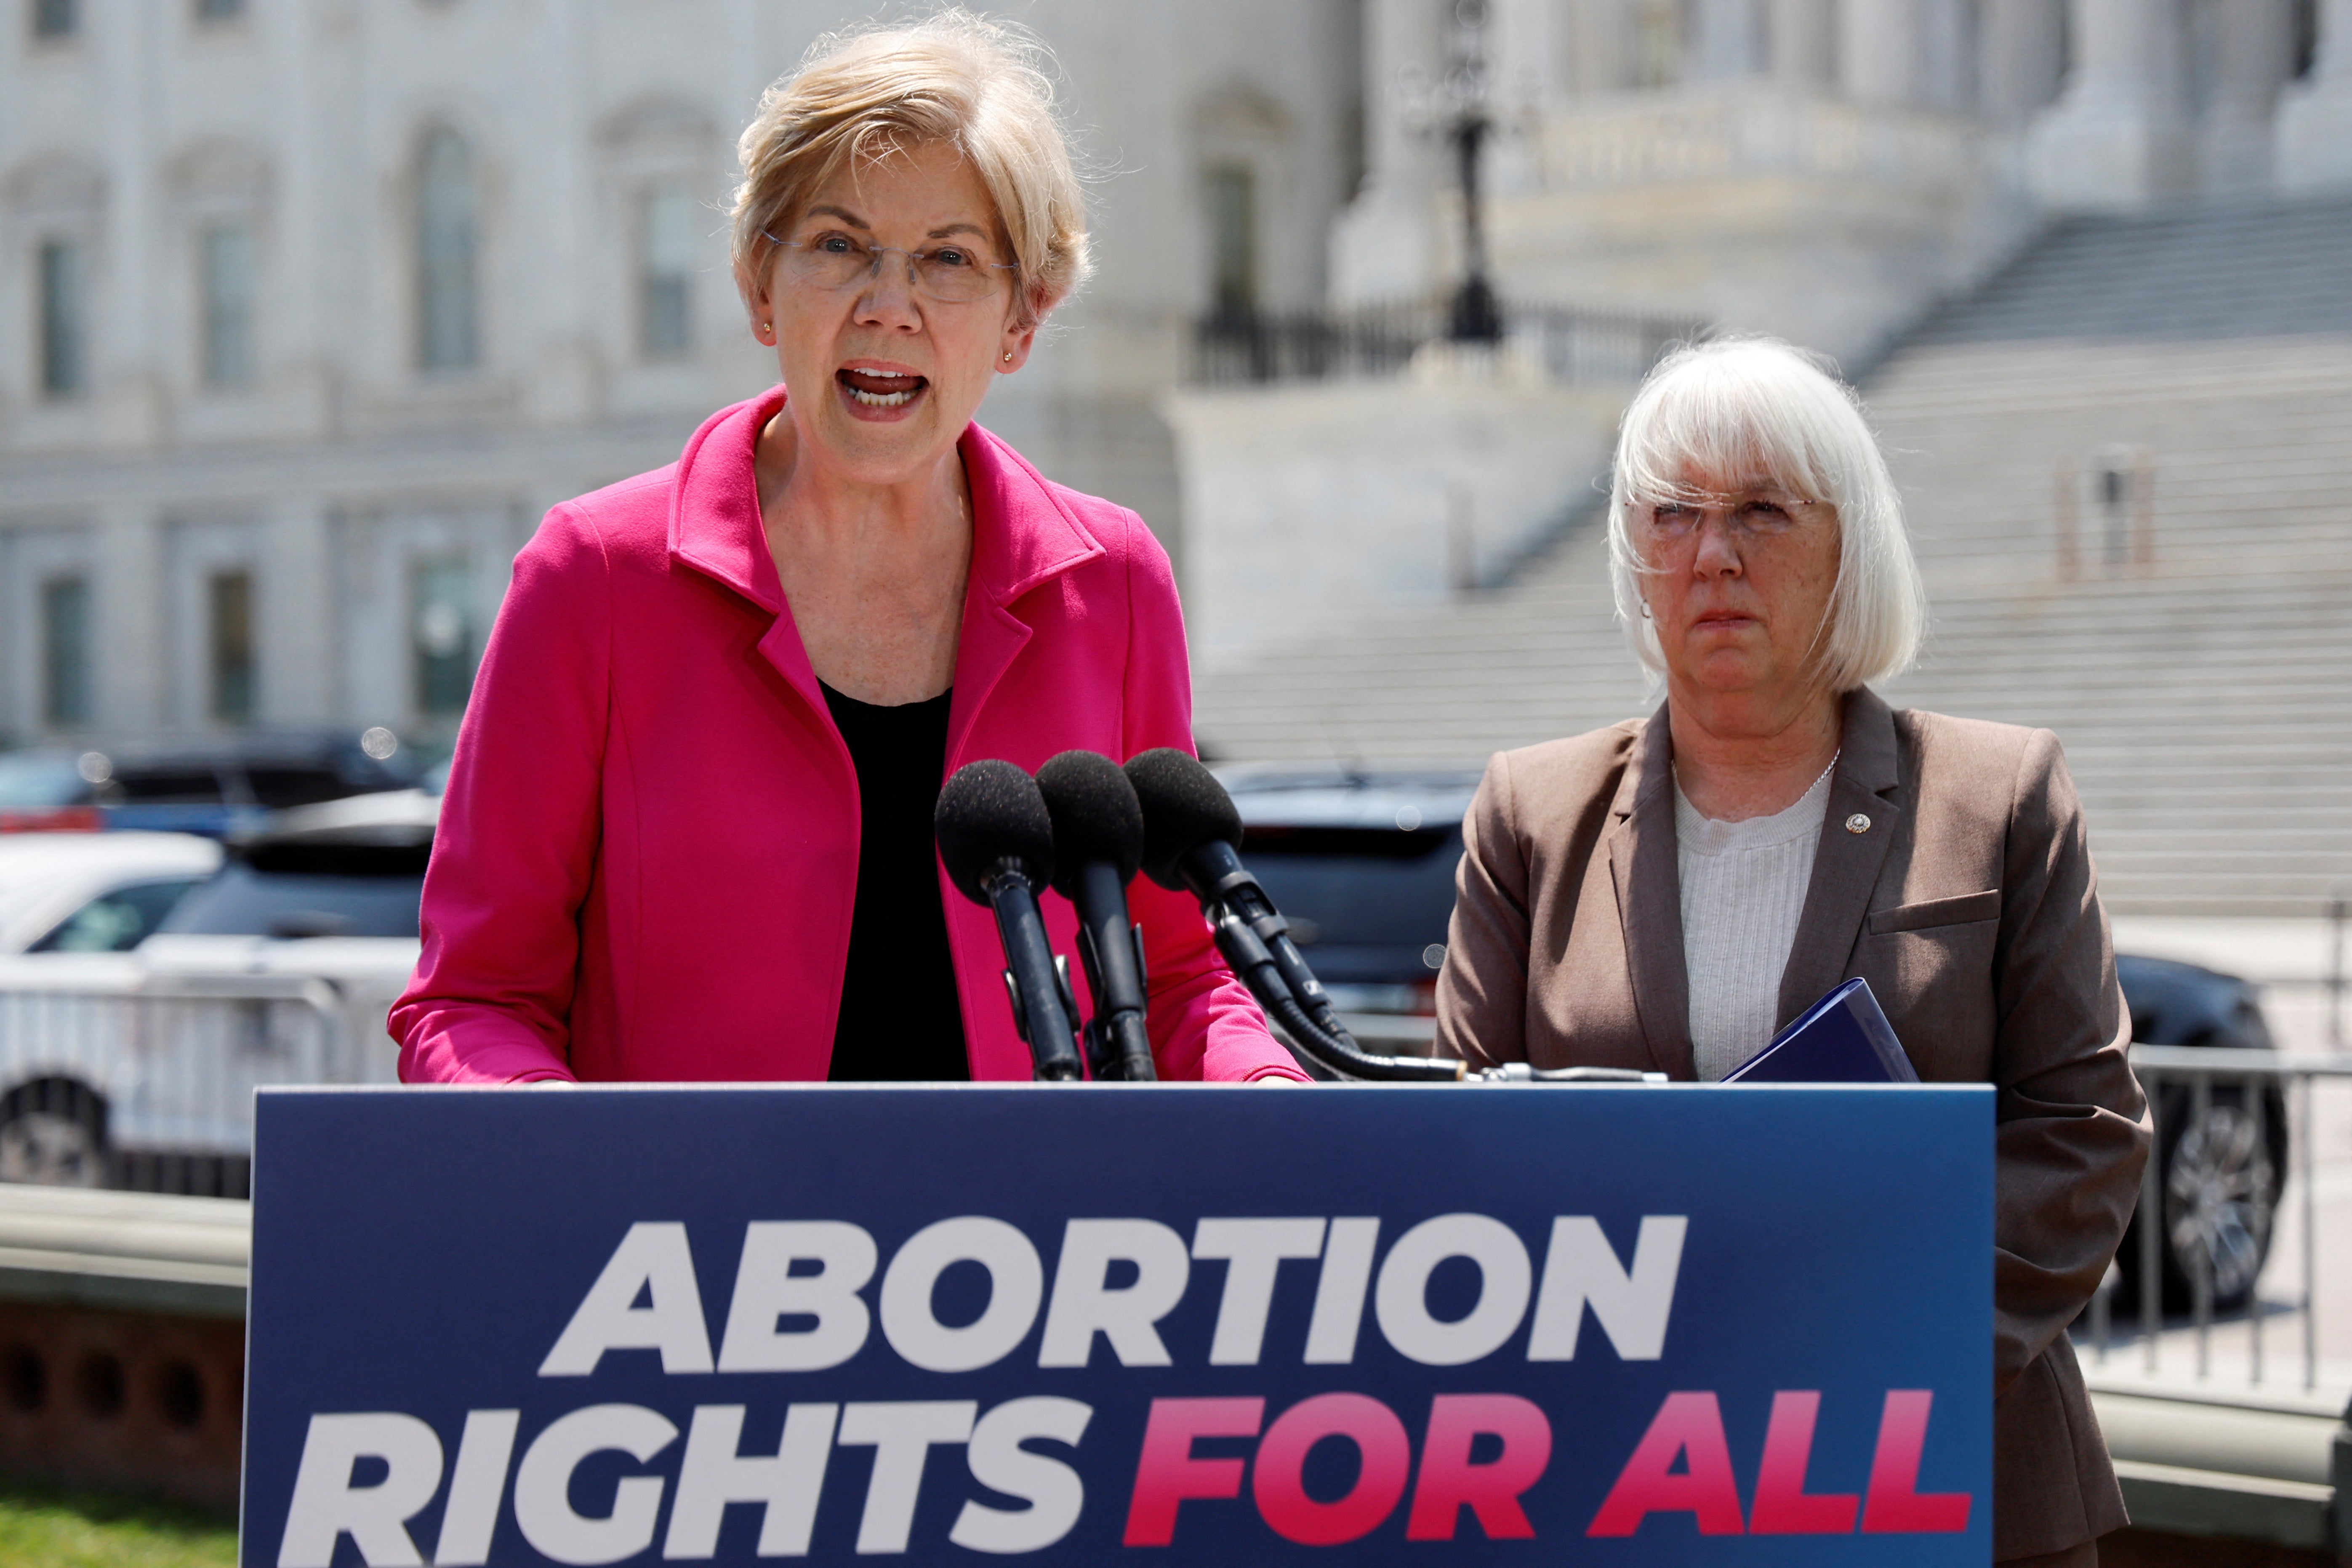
{"x": 946, "y": 274}
{"x": 1760, "y": 515}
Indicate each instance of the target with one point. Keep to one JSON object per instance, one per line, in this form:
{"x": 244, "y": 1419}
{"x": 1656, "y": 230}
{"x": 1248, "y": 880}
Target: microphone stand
{"x": 1041, "y": 1004}
{"x": 1255, "y": 942}
{"x": 1119, "y": 1047}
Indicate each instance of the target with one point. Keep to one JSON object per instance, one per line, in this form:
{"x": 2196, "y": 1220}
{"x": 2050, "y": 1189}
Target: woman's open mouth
{"x": 880, "y": 390}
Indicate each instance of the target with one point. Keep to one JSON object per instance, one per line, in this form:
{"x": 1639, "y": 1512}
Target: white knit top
{"x": 1743, "y": 888}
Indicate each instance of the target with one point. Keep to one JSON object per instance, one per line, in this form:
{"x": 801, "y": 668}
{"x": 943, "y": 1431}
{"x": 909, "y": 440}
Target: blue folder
{"x": 1845, "y": 1037}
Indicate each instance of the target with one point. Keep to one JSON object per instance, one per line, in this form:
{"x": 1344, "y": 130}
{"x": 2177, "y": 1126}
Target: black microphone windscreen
{"x": 1183, "y": 806}
{"x": 990, "y": 812}
{"x": 1095, "y": 817}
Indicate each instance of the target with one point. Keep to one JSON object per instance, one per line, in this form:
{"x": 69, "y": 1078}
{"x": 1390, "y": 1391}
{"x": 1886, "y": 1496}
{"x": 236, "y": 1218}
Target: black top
{"x": 899, "y": 1018}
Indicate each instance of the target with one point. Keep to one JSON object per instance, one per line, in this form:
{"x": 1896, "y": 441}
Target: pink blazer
{"x": 649, "y": 853}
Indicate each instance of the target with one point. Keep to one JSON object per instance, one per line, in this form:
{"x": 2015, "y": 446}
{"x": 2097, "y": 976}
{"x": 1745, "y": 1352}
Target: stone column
{"x": 1599, "y": 45}
{"x": 297, "y": 652}
{"x": 1945, "y": 58}
{"x": 1525, "y": 38}
{"x": 130, "y": 665}
{"x": 2254, "y": 57}
{"x": 1803, "y": 44}
{"x": 1527, "y": 54}
{"x": 127, "y": 310}
{"x": 2315, "y": 120}
{"x": 1878, "y": 50}
{"x": 1402, "y": 39}
{"x": 2117, "y": 140}
{"x": 1725, "y": 42}
{"x": 554, "y": 345}
{"x": 293, "y": 263}
{"x": 1384, "y": 245}
{"x": 2020, "y": 49}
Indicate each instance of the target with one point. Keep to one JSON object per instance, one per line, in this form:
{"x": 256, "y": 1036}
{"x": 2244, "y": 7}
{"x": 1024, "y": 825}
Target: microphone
{"x": 1098, "y": 845}
{"x": 997, "y": 844}
{"x": 1190, "y": 831}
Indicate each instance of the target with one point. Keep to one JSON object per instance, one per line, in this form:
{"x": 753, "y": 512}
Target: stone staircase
{"x": 2204, "y": 693}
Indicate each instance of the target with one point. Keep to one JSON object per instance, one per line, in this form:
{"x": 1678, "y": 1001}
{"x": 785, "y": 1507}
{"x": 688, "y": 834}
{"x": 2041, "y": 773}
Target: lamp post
{"x": 1459, "y": 108}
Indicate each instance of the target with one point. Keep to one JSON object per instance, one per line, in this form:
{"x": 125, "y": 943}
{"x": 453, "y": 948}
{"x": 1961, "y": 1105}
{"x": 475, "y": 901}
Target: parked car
{"x": 352, "y": 869}
{"x": 2221, "y": 1165}
{"x": 210, "y": 786}
{"x": 1361, "y": 865}
{"x": 1362, "y": 860}
{"x": 95, "y": 892}
{"x": 64, "y": 895}
{"x": 137, "y": 1068}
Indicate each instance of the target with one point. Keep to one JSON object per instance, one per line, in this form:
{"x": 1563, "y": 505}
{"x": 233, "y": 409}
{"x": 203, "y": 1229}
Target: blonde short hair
{"x": 982, "y": 86}
{"x": 1744, "y": 409}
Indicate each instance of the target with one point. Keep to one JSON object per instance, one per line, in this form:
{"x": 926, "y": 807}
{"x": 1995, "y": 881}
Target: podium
{"x": 1104, "y": 1323}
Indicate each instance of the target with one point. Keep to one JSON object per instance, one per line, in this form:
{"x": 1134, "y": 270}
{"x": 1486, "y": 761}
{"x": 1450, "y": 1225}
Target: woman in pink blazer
{"x": 687, "y": 828}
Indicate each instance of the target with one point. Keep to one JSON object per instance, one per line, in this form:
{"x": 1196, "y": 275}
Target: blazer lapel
{"x": 1642, "y": 862}
{"x": 992, "y": 639}
{"x": 1020, "y": 536}
{"x": 715, "y": 528}
{"x": 1847, "y": 861}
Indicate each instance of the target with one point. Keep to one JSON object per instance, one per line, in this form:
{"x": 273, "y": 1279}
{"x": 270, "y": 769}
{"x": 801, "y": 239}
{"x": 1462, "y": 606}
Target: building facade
{"x": 1824, "y": 169}
{"x": 1829, "y": 170}
{"x": 308, "y": 308}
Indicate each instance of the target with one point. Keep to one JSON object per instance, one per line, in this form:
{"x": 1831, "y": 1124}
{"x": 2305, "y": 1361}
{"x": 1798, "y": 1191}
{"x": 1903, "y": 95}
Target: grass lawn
{"x": 47, "y": 1527}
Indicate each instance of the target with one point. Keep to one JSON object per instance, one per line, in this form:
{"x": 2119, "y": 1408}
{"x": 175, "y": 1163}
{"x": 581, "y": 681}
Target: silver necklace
{"x": 1677, "y": 770}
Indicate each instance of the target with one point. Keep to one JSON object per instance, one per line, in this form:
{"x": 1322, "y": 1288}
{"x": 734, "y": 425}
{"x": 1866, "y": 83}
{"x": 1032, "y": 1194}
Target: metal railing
{"x": 2221, "y": 1113}
{"x": 145, "y": 1080}
{"x": 1573, "y": 346}
{"x": 2339, "y": 914}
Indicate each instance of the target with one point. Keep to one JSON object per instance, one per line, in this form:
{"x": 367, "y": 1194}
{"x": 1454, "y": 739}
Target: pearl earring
{"x": 1008, "y": 356}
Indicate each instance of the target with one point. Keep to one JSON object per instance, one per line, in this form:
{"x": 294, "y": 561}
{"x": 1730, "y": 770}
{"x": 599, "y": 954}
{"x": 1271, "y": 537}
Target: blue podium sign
{"x": 1179, "y": 1324}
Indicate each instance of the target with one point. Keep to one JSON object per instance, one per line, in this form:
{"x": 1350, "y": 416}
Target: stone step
{"x": 2002, "y": 380}
{"x": 2204, "y": 707}
{"x": 1962, "y": 409}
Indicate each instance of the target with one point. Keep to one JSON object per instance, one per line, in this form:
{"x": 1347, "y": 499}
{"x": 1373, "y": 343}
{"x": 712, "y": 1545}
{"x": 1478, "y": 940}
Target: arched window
{"x": 225, "y": 264}
{"x": 64, "y": 329}
{"x": 56, "y": 19}
{"x": 230, "y": 597}
{"x": 441, "y": 635}
{"x": 665, "y": 273}
{"x": 1658, "y": 42}
{"x": 1233, "y": 242}
{"x": 65, "y": 651}
{"x": 447, "y": 241}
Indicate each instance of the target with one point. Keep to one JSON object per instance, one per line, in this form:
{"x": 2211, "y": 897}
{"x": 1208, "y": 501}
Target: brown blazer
{"x": 1968, "y": 902}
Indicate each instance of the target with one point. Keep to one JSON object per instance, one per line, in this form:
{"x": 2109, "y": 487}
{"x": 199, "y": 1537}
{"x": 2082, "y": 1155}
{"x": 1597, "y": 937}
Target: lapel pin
{"x": 1857, "y": 822}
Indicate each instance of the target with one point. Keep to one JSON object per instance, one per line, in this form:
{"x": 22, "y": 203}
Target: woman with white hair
{"x": 1668, "y": 893}
{"x": 687, "y": 833}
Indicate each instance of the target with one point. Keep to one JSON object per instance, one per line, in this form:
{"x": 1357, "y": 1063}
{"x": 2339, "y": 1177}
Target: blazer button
{"x": 1857, "y": 822}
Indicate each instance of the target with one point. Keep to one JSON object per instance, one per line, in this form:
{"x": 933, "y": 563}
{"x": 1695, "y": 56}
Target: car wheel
{"x": 53, "y": 1134}
{"x": 2218, "y": 1185}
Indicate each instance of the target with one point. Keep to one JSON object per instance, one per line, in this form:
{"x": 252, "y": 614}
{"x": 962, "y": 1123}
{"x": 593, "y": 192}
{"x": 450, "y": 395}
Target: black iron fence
{"x": 1376, "y": 341}
{"x": 2232, "y": 1126}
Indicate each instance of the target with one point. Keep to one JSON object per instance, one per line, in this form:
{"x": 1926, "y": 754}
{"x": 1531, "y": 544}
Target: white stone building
{"x": 309, "y": 308}
{"x": 1829, "y": 170}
